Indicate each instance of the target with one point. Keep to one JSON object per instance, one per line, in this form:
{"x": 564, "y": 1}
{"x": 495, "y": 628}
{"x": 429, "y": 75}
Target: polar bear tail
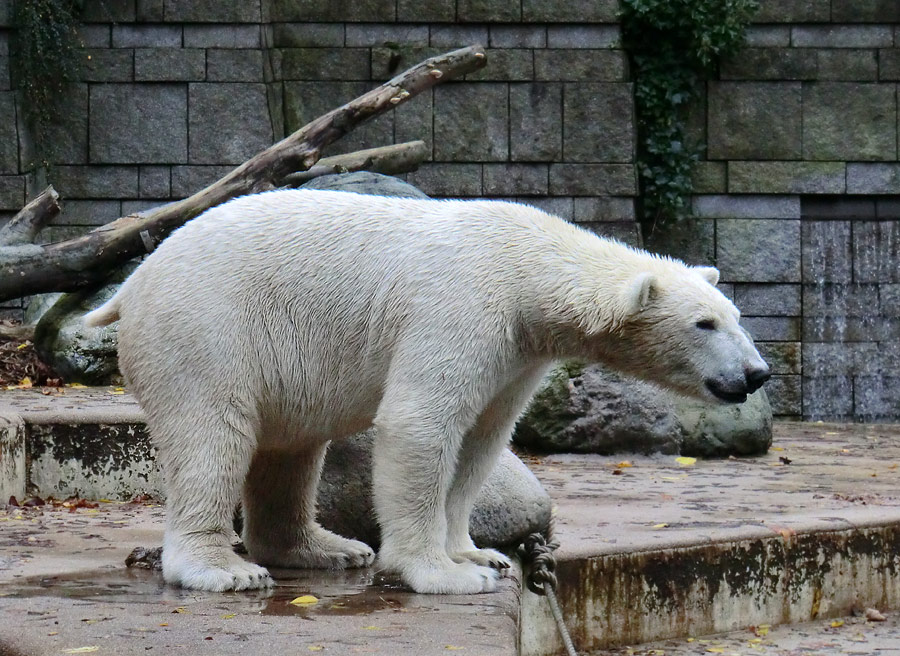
{"x": 103, "y": 315}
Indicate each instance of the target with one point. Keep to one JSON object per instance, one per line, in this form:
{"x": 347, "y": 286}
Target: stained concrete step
{"x": 651, "y": 549}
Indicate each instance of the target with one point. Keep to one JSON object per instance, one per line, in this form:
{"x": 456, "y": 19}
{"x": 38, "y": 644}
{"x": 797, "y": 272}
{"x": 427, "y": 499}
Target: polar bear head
{"x": 678, "y": 330}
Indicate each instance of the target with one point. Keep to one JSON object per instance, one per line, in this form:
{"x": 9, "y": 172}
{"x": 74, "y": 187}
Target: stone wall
{"x": 794, "y": 196}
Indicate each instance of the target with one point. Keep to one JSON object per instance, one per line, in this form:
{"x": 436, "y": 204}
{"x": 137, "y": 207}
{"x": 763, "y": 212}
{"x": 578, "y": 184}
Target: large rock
{"x": 589, "y": 409}
{"x": 511, "y": 505}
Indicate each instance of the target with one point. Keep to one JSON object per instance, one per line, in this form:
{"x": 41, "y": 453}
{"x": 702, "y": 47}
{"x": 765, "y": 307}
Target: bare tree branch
{"x": 31, "y": 219}
{"x": 389, "y": 160}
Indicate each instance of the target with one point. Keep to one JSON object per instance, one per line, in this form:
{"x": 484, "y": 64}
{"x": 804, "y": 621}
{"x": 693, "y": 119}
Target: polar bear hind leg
{"x": 280, "y": 528}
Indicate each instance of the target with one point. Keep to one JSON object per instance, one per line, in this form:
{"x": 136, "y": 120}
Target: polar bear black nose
{"x": 756, "y": 378}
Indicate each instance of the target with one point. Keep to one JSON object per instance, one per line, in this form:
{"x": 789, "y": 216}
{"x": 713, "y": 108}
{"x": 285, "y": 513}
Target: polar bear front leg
{"x": 414, "y": 459}
{"x": 280, "y": 528}
{"x": 205, "y": 460}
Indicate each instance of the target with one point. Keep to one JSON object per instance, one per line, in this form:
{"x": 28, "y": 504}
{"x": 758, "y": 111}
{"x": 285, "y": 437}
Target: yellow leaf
{"x": 228, "y": 616}
{"x": 453, "y": 647}
{"x": 624, "y": 464}
{"x": 181, "y": 610}
{"x": 756, "y": 641}
{"x": 315, "y": 647}
{"x": 21, "y": 346}
{"x": 684, "y": 461}
{"x": 836, "y": 623}
{"x": 372, "y": 628}
{"x": 81, "y": 650}
{"x": 305, "y": 600}
{"x": 663, "y": 525}
{"x": 715, "y": 650}
{"x": 164, "y": 624}
{"x": 25, "y": 383}
{"x": 762, "y": 630}
{"x": 76, "y": 386}
{"x": 777, "y": 448}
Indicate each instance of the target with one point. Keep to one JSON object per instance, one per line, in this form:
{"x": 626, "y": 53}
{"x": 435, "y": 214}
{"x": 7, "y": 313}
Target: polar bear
{"x": 276, "y": 322}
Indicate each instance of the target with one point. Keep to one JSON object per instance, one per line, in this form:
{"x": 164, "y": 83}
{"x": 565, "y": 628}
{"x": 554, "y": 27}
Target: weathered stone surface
{"x": 889, "y": 64}
{"x": 187, "y": 180}
{"x": 855, "y": 65}
{"x": 234, "y": 65}
{"x": 517, "y": 36}
{"x": 488, "y": 11}
{"x": 447, "y": 180}
{"x": 325, "y": 64}
{"x": 876, "y": 251}
{"x": 471, "y": 122}
{"x": 88, "y": 212}
{"x": 230, "y": 137}
{"x": 426, "y": 11}
{"x": 12, "y": 456}
{"x": 393, "y": 59}
{"x": 782, "y": 358}
{"x": 840, "y": 300}
{"x": 627, "y": 232}
{"x": 569, "y": 65}
{"x": 747, "y": 207}
{"x": 555, "y": 205}
{"x": 364, "y": 11}
{"x": 535, "y": 121}
{"x": 95, "y": 181}
{"x": 574, "y": 11}
{"x": 841, "y": 207}
{"x": 511, "y": 504}
{"x": 794, "y": 11}
{"x": 149, "y": 126}
{"x": 364, "y": 182}
{"x": 771, "y": 64}
{"x": 593, "y": 180}
{"x": 768, "y": 36}
{"x": 169, "y": 64}
{"x": 786, "y": 177}
{"x": 598, "y": 124}
{"x": 506, "y": 65}
{"x": 754, "y": 120}
{"x": 212, "y": 11}
{"x": 103, "y": 65}
{"x": 758, "y": 250}
{"x": 146, "y": 36}
{"x": 786, "y": 396}
{"x": 588, "y": 409}
{"x": 865, "y": 11}
{"x": 583, "y": 36}
{"x": 12, "y": 192}
{"x": 827, "y": 398}
{"x": 515, "y": 179}
{"x": 709, "y": 178}
{"x": 108, "y": 12}
{"x": 842, "y": 36}
{"x": 768, "y": 300}
{"x": 603, "y": 209}
{"x": 691, "y": 240}
{"x": 154, "y": 181}
{"x": 149, "y": 11}
{"x": 307, "y": 35}
{"x": 443, "y": 36}
{"x": 827, "y": 255}
{"x": 863, "y": 178}
{"x": 846, "y": 121}
{"x": 221, "y": 36}
{"x": 9, "y": 137}
{"x": 773, "y": 329}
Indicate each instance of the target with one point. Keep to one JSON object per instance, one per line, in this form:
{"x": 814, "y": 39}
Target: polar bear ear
{"x": 640, "y": 291}
{"x": 710, "y": 274}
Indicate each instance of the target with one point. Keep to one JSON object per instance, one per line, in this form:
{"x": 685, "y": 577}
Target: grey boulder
{"x": 590, "y": 409}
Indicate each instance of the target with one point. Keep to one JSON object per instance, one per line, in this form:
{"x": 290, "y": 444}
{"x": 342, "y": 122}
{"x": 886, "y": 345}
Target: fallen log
{"x": 389, "y": 160}
{"x": 84, "y": 261}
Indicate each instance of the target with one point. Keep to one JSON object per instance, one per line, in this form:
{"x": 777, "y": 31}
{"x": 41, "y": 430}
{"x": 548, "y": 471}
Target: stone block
{"x": 747, "y": 207}
{"x": 851, "y": 329}
{"x": 122, "y": 11}
{"x": 169, "y": 64}
{"x": 517, "y": 36}
{"x": 598, "y": 124}
{"x": 13, "y": 435}
{"x": 690, "y": 240}
{"x": 426, "y": 11}
{"x": 102, "y": 65}
{"x": 842, "y": 36}
{"x": 5, "y": 84}
{"x": 583, "y": 36}
{"x": 827, "y": 253}
{"x": 555, "y": 205}
{"x": 443, "y": 180}
{"x": 771, "y": 64}
{"x": 865, "y": 11}
{"x": 850, "y": 65}
{"x": 840, "y": 300}
{"x": 149, "y": 126}
{"x": 568, "y": 65}
{"x": 146, "y": 36}
{"x": 847, "y": 121}
{"x": 233, "y": 136}
{"x": 603, "y": 209}
{"x": 876, "y": 251}
{"x": 889, "y": 64}
{"x": 768, "y": 300}
{"x": 414, "y": 120}
{"x": 130, "y": 207}
{"x": 754, "y": 120}
{"x": 592, "y": 179}
{"x": 888, "y": 208}
{"x": 95, "y": 181}
{"x": 785, "y": 395}
{"x": 767, "y": 36}
{"x": 793, "y": 11}
{"x": 627, "y": 232}
{"x": 88, "y": 212}
{"x": 786, "y": 177}
{"x": 12, "y": 192}
{"x": 471, "y": 122}
{"x": 234, "y": 65}
{"x": 865, "y": 178}
{"x": 573, "y": 11}
{"x": 822, "y": 359}
{"x": 188, "y": 180}
{"x": 66, "y": 133}
{"x": 758, "y": 250}
{"x": 535, "y": 121}
{"x": 890, "y": 301}
{"x": 388, "y": 62}
{"x": 772, "y": 329}
{"x": 379, "y": 34}
{"x": 307, "y": 35}
{"x": 827, "y": 398}
{"x": 709, "y": 178}
{"x": 782, "y": 357}
{"x": 221, "y": 36}
{"x": 838, "y": 207}
{"x": 154, "y": 181}
{"x": 876, "y": 398}
{"x": 150, "y": 11}
{"x": 488, "y": 11}
{"x": 506, "y": 65}
{"x": 95, "y": 36}
{"x": 305, "y": 101}
{"x": 514, "y": 179}
{"x": 212, "y": 11}
{"x": 453, "y": 36}
{"x": 325, "y": 64}
{"x": 9, "y": 136}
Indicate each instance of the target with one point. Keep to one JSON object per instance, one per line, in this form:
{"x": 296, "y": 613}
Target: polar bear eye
{"x": 706, "y": 324}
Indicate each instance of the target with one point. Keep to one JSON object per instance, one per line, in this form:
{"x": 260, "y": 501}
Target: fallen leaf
{"x": 715, "y": 650}
{"x": 894, "y": 466}
{"x": 617, "y": 472}
{"x": 685, "y": 461}
{"x": 23, "y": 345}
{"x": 228, "y": 616}
{"x": 836, "y": 623}
{"x": 453, "y": 647}
{"x": 315, "y": 647}
{"x": 81, "y": 650}
{"x": 874, "y": 615}
{"x": 304, "y": 600}
{"x": 663, "y": 525}
{"x": 777, "y": 448}
{"x": 25, "y": 383}
{"x": 624, "y": 464}
{"x": 76, "y": 386}
{"x": 164, "y": 624}
{"x": 181, "y": 610}
{"x": 762, "y": 630}
{"x": 372, "y": 628}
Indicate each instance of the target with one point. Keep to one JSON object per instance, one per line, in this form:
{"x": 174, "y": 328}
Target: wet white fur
{"x": 276, "y": 322}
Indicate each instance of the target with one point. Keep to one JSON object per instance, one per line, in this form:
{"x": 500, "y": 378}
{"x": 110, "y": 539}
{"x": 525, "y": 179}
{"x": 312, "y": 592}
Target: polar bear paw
{"x": 321, "y": 550}
{"x": 485, "y": 558}
{"x": 230, "y": 572}
{"x": 457, "y": 578}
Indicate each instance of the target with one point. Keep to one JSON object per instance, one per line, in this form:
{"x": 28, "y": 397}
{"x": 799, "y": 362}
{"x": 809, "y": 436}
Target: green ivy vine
{"x": 43, "y": 61}
{"x": 673, "y": 45}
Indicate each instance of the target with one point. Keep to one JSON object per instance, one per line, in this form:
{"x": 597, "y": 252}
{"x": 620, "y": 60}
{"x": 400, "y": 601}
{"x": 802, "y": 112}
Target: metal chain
{"x": 537, "y": 555}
